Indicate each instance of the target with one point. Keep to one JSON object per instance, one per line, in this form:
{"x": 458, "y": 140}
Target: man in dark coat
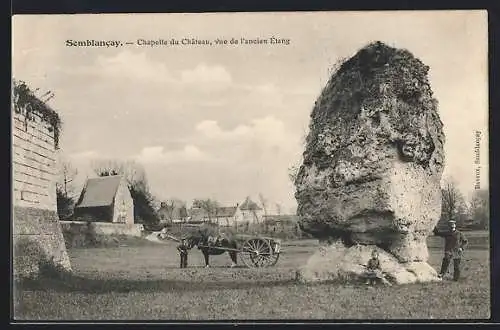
{"x": 455, "y": 243}
{"x": 183, "y": 252}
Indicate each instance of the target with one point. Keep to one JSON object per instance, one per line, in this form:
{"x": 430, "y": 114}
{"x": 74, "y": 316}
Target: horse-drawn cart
{"x": 255, "y": 251}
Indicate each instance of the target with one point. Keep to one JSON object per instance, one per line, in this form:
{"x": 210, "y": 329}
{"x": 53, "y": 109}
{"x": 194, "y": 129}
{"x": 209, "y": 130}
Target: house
{"x": 251, "y": 211}
{"x": 172, "y": 212}
{"x": 227, "y": 216}
{"x": 248, "y": 211}
{"x": 197, "y": 215}
{"x": 105, "y": 199}
{"x": 224, "y": 216}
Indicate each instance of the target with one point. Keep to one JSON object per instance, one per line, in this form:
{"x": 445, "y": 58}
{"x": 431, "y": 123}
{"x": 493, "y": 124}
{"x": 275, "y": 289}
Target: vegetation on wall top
{"x": 26, "y": 103}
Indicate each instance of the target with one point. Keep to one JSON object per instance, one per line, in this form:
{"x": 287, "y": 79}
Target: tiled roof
{"x": 197, "y": 214}
{"x": 224, "y": 212}
{"x": 249, "y": 205}
{"x": 99, "y": 191}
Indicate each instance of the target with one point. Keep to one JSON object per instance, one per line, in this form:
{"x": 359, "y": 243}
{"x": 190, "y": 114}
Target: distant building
{"x": 197, "y": 215}
{"x": 105, "y": 199}
{"x": 229, "y": 216}
{"x": 172, "y": 212}
{"x": 251, "y": 211}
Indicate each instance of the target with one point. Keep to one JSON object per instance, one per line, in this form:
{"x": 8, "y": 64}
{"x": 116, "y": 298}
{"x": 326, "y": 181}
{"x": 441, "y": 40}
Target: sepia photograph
{"x": 250, "y": 166}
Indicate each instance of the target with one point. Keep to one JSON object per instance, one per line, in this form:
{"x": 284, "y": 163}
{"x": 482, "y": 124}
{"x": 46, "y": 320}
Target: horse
{"x": 210, "y": 248}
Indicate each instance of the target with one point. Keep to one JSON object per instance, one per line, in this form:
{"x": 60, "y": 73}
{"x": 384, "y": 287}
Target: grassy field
{"x": 142, "y": 281}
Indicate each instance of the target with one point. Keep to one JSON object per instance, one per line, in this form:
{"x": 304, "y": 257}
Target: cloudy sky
{"x": 227, "y": 121}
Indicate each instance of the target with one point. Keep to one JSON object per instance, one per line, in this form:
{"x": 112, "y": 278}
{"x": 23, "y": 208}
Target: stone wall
{"x": 101, "y": 228}
{"x": 36, "y": 230}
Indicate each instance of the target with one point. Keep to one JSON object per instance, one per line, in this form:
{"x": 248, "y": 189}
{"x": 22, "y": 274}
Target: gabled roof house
{"x": 105, "y": 199}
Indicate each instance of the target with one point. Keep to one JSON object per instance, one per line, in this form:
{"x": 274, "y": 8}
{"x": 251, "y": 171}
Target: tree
{"x": 170, "y": 206}
{"x": 135, "y": 175}
{"x": 183, "y": 212}
{"x": 208, "y": 205}
{"x": 479, "y": 208}
{"x": 65, "y": 190}
{"x": 133, "y": 172}
{"x": 107, "y": 167}
{"x": 453, "y": 204}
{"x": 263, "y": 201}
{"x": 278, "y": 208}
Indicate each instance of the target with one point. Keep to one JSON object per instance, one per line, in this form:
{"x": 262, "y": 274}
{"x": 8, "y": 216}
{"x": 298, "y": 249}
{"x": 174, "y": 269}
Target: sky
{"x": 227, "y": 121}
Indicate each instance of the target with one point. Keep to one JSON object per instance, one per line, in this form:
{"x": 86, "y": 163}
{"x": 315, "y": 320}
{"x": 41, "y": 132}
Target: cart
{"x": 255, "y": 251}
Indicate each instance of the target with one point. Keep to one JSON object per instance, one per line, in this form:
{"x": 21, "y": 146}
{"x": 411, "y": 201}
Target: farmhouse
{"x": 250, "y": 211}
{"x": 105, "y": 199}
{"x": 229, "y": 216}
{"x": 172, "y": 212}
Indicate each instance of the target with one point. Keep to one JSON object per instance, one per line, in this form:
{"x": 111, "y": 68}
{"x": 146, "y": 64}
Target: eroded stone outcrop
{"x": 372, "y": 165}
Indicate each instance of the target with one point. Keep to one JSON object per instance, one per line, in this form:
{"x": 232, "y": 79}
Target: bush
{"x": 79, "y": 236}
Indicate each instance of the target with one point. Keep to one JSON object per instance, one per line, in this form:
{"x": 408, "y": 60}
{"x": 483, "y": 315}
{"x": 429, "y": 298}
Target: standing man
{"x": 454, "y": 245}
{"x": 183, "y": 252}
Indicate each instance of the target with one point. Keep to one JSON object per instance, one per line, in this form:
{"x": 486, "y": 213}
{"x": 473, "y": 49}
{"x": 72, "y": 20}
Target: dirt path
{"x": 153, "y": 237}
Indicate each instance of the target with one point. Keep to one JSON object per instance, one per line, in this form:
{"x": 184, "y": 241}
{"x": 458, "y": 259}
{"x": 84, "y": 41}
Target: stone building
{"x": 37, "y": 234}
{"x": 228, "y": 216}
{"x": 105, "y": 199}
{"x": 251, "y": 212}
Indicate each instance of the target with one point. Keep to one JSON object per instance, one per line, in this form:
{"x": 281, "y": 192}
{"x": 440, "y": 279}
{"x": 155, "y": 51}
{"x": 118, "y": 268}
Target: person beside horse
{"x": 183, "y": 249}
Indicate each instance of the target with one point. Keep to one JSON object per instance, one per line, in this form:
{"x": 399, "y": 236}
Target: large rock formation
{"x": 372, "y": 166}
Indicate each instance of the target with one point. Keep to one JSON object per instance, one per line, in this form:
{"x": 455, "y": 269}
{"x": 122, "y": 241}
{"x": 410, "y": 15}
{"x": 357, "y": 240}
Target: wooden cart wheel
{"x": 256, "y": 252}
{"x": 274, "y": 257}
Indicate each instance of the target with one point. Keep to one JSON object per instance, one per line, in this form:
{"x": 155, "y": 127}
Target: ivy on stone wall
{"x": 26, "y": 103}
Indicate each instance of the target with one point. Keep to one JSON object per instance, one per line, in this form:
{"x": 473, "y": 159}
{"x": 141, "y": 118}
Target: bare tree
{"x": 168, "y": 207}
{"x": 65, "y": 190}
{"x": 133, "y": 172}
{"x": 107, "y": 167}
{"x": 278, "y": 208}
{"x": 172, "y": 205}
{"x": 263, "y": 202}
{"x": 208, "y": 205}
{"x": 479, "y": 208}
{"x": 453, "y": 205}
{"x": 67, "y": 175}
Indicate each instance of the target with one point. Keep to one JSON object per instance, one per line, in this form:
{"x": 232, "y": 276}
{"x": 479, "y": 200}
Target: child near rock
{"x": 374, "y": 271}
